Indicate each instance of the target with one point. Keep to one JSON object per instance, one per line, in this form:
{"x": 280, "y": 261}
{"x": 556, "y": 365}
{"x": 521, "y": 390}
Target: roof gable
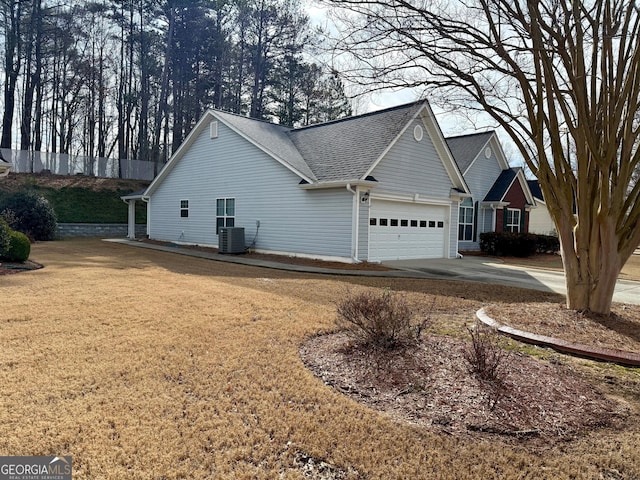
{"x": 503, "y": 184}
{"x": 268, "y": 137}
{"x": 347, "y": 149}
{"x": 466, "y": 149}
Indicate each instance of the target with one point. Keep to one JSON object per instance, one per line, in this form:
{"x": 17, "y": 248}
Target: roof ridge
{"x": 469, "y": 135}
{"x": 247, "y": 117}
{"x": 362, "y": 115}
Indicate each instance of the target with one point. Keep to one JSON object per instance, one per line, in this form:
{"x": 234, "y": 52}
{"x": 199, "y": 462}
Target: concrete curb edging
{"x": 606, "y": 354}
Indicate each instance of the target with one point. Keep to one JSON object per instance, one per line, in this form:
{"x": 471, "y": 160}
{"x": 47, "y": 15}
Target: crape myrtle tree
{"x": 545, "y": 71}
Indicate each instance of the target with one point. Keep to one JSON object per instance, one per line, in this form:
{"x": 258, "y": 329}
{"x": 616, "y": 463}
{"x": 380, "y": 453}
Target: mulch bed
{"x": 7, "y": 268}
{"x": 430, "y": 385}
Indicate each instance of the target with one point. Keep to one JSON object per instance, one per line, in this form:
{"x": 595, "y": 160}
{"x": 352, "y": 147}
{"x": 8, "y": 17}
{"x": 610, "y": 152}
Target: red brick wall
{"x": 516, "y": 198}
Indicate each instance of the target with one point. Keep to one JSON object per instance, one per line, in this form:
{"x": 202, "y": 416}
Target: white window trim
{"x": 225, "y": 216}
{"x": 510, "y": 226}
{"x": 470, "y": 207}
{"x": 183, "y": 208}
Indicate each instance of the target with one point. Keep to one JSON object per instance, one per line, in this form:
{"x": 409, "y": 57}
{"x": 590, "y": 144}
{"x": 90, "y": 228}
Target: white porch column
{"x": 131, "y": 228}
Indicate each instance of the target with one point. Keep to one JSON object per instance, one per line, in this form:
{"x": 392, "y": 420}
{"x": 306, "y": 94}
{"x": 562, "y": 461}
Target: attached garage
{"x": 401, "y": 231}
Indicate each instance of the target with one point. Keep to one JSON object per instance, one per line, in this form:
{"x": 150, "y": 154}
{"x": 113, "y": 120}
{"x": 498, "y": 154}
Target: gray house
{"x": 500, "y": 198}
{"x": 379, "y": 186}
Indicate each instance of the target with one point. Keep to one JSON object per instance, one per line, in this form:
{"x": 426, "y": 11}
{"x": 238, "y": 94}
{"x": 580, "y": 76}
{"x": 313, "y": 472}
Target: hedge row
{"x": 508, "y": 244}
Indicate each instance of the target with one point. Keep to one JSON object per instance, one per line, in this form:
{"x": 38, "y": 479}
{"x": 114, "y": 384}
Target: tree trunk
{"x": 12, "y": 59}
{"x": 591, "y": 275}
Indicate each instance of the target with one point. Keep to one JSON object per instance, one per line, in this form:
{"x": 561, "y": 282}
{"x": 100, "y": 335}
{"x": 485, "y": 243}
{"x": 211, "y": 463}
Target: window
{"x": 225, "y": 213}
{"x": 465, "y": 221}
{"x": 423, "y": 224}
{"x": 414, "y": 223}
{"x": 394, "y": 222}
{"x": 373, "y": 222}
{"x": 512, "y": 222}
{"x": 432, "y": 224}
{"x": 404, "y": 223}
{"x": 440, "y": 224}
{"x": 184, "y": 208}
{"x": 383, "y": 222}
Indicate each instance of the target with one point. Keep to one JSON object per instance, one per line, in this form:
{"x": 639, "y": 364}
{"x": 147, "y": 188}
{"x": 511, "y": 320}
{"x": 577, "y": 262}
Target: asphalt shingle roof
{"x": 465, "y": 148}
{"x": 345, "y": 149}
{"x": 501, "y": 185}
{"x": 536, "y": 191}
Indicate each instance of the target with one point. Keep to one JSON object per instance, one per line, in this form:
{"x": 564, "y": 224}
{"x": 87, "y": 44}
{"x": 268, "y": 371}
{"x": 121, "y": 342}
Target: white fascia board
{"x": 338, "y": 184}
{"x": 493, "y": 205}
{"x": 407, "y": 198}
{"x": 497, "y": 147}
{"x": 440, "y": 144}
{"x": 525, "y": 188}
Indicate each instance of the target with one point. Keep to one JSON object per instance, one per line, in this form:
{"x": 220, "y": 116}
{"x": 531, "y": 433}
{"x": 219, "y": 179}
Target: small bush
{"x": 382, "y": 320}
{"x": 508, "y": 244}
{"x": 484, "y": 356}
{"x": 19, "y": 248}
{"x": 30, "y": 214}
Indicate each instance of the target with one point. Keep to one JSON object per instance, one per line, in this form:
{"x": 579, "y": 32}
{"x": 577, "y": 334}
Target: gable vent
{"x": 213, "y": 129}
{"x": 418, "y": 133}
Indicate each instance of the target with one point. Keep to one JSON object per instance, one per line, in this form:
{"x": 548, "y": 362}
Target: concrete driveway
{"x": 481, "y": 269}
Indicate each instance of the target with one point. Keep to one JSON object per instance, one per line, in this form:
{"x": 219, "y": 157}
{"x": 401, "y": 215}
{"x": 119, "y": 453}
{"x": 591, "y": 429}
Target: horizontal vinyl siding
{"x": 480, "y": 177}
{"x": 292, "y": 220}
{"x": 413, "y": 167}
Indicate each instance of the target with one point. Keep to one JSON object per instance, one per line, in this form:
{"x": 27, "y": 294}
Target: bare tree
{"x": 536, "y": 67}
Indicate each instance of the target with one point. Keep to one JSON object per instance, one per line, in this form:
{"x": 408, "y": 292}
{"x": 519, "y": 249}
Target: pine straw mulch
{"x": 621, "y": 330}
{"x": 429, "y": 385}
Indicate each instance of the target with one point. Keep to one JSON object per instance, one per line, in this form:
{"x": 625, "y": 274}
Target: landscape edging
{"x": 598, "y": 353}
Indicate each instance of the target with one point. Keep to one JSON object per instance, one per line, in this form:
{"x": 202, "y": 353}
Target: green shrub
{"x": 381, "y": 320}
{"x": 19, "y": 248}
{"x": 547, "y": 244}
{"x": 5, "y": 231}
{"x": 30, "y": 214}
{"x": 508, "y": 244}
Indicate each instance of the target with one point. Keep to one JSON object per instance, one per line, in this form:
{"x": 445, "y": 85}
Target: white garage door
{"x": 400, "y": 231}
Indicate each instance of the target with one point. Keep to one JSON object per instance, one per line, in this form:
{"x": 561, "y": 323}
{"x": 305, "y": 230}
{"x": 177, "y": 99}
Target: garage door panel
{"x": 400, "y": 231}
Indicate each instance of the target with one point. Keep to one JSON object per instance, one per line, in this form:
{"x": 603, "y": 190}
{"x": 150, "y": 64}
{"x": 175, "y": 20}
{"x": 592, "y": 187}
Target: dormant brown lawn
{"x": 149, "y": 365}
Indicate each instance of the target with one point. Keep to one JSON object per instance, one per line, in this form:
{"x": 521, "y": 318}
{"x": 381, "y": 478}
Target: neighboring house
{"x": 500, "y": 197}
{"x": 539, "y": 219}
{"x": 5, "y": 167}
{"x": 378, "y": 186}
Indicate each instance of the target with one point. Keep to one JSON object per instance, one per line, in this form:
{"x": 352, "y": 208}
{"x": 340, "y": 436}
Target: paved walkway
{"x": 470, "y": 268}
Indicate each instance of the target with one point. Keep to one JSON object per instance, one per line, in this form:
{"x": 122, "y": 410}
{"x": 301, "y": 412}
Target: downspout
{"x": 355, "y": 217}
